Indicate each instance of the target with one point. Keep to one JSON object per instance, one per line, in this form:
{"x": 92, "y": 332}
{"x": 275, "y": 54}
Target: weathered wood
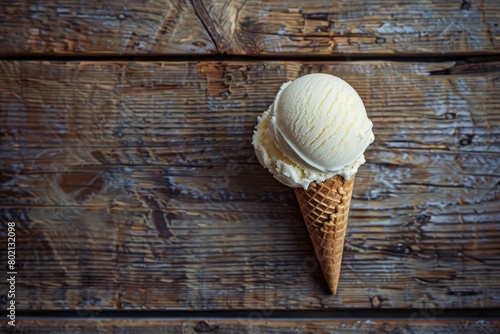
{"x": 339, "y": 27}
{"x": 106, "y": 27}
{"x": 257, "y": 323}
{"x": 321, "y": 27}
{"x": 135, "y": 186}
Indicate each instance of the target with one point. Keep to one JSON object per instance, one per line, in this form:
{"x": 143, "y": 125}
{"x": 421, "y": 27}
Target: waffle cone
{"x": 325, "y": 208}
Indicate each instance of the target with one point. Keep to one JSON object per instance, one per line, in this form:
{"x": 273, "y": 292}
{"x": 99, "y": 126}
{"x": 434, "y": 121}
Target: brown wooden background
{"x": 140, "y": 207}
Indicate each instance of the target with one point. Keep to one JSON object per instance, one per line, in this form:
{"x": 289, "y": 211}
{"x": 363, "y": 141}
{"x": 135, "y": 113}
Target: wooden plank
{"x": 258, "y": 324}
{"x": 255, "y": 27}
{"x": 135, "y": 186}
{"x": 101, "y": 28}
{"x": 339, "y": 27}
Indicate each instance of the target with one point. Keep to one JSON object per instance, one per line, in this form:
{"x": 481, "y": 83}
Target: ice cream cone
{"x": 325, "y": 208}
{"x": 317, "y": 129}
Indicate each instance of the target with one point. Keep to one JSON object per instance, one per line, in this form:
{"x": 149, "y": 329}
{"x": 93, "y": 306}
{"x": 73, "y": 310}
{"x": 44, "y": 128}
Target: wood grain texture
{"x": 347, "y": 28}
{"x": 249, "y": 27}
{"x": 134, "y": 185}
{"x": 258, "y": 324}
{"x": 102, "y": 27}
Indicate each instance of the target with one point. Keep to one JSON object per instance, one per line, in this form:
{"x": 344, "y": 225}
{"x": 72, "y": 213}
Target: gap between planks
{"x": 421, "y": 57}
{"x": 297, "y": 315}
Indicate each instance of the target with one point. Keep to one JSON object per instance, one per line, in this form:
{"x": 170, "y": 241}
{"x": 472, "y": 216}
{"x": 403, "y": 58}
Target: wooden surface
{"x": 101, "y": 28}
{"x": 327, "y": 27}
{"x": 135, "y": 188}
{"x": 249, "y": 27}
{"x": 260, "y": 325}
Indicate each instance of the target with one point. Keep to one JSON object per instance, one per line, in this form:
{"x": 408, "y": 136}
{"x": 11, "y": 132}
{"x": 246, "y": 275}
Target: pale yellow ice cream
{"x": 316, "y": 128}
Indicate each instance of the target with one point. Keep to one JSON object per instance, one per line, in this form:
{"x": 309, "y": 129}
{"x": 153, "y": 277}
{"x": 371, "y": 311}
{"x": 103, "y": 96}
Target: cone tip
{"x": 333, "y": 288}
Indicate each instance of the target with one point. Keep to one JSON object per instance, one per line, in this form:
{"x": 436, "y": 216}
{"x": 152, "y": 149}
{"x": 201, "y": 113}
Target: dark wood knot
{"x": 203, "y": 327}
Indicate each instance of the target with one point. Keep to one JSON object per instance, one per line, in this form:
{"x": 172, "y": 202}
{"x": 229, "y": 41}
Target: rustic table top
{"x": 138, "y": 206}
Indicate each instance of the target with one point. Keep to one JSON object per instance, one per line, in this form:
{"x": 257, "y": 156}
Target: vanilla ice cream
{"x": 316, "y": 128}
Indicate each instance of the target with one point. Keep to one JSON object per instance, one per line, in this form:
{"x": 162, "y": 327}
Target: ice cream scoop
{"x": 313, "y": 138}
{"x": 316, "y": 128}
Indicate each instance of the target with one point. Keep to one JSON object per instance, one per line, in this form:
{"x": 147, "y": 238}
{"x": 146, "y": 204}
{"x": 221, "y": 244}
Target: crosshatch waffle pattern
{"x": 325, "y": 208}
